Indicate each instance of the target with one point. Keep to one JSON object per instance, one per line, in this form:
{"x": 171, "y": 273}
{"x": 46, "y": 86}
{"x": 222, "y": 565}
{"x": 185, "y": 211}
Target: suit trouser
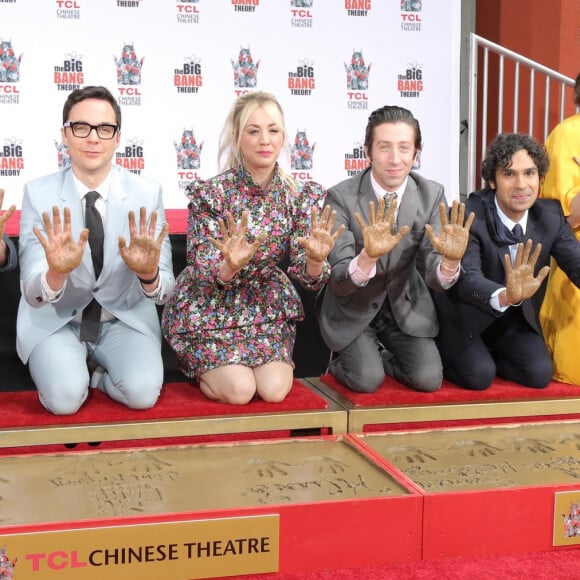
{"x": 132, "y": 361}
{"x": 510, "y": 349}
{"x": 413, "y": 361}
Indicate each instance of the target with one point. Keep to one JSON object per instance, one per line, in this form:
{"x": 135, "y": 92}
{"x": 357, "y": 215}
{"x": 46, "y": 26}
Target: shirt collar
{"x": 506, "y": 221}
{"x": 251, "y": 187}
{"x": 380, "y": 192}
{"x": 102, "y": 189}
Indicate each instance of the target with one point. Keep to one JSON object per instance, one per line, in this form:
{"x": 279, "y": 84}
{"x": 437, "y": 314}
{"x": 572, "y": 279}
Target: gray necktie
{"x": 389, "y": 198}
{"x": 91, "y": 320}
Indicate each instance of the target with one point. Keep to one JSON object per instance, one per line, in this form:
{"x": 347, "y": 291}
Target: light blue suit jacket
{"x": 117, "y": 288}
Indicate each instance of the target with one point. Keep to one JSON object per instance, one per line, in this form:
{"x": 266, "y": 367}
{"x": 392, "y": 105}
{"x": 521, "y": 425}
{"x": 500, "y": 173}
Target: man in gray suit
{"x": 377, "y": 315}
{"x": 93, "y": 305}
{"x": 8, "y": 257}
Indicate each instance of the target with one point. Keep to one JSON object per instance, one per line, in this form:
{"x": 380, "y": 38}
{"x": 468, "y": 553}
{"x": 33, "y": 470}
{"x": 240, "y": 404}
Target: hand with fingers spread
{"x": 142, "y": 255}
{"x": 321, "y": 240}
{"x": 378, "y": 239}
{"x": 234, "y": 246}
{"x": 451, "y": 242}
{"x": 63, "y": 254}
{"x": 521, "y": 283}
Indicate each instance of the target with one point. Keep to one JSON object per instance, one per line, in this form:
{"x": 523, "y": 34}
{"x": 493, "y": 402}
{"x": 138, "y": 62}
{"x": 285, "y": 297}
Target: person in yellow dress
{"x": 560, "y": 313}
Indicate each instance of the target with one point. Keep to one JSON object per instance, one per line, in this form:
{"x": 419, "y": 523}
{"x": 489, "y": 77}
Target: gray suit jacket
{"x": 12, "y": 258}
{"x": 117, "y": 288}
{"x": 347, "y": 309}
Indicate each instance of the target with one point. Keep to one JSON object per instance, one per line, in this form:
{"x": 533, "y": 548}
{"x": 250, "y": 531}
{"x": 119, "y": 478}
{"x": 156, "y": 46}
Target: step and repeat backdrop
{"x": 176, "y": 67}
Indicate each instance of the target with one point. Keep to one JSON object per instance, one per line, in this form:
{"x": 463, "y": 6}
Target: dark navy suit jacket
{"x": 464, "y": 311}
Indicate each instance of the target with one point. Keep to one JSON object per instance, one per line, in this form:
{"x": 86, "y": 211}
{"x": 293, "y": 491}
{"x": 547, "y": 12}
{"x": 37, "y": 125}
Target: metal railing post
{"x": 479, "y": 82}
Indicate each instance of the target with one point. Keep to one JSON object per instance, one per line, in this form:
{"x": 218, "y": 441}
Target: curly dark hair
{"x": 391, "y": 114}
{"x": 501, "y": 150}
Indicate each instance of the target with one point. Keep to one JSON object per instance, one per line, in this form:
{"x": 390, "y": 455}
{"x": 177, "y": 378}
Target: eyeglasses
{"x": 83, "y": 130}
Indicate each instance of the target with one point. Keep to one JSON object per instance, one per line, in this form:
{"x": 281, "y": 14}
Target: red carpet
{"x": 394, "y": 393}
{"x": 177, "y": 400}
{"x": 555, "y": 565}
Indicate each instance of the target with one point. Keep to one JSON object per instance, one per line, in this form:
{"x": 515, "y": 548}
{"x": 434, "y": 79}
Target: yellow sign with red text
{"x": 178, "y": 550}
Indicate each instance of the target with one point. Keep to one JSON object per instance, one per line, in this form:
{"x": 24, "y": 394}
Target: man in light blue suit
{"x": 8, "y": 256}
{"x": 60, "y": 272}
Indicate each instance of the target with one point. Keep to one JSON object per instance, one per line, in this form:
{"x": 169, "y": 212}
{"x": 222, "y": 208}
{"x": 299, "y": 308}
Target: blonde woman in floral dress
{"x": 231, "y": 321}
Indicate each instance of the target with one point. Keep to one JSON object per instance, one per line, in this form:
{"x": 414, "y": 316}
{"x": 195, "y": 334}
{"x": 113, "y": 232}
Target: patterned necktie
{"x": 389, "y": 198}
{"x": 91, "y": 320}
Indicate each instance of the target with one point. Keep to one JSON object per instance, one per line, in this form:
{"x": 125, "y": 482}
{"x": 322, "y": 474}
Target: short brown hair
{"x": 91, "y": 92}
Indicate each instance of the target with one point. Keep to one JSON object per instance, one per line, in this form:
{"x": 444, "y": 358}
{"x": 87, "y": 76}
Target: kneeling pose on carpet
{"x": 376, "y": 314}
{"x": 489, "y": 319}
{"x": 8, "y": 257}
{"x": 93, "y": 305}
{"x": 232, "y": 319}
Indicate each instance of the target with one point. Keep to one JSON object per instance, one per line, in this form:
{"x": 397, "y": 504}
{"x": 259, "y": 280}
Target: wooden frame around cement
{"x": 334, "y": 417}
{"x": 359, "y": 417}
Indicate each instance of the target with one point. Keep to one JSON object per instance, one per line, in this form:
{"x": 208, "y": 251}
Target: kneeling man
{"x": 489, "y": 324}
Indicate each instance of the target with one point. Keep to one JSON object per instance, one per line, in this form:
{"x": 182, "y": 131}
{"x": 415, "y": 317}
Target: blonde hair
{"x": 229, "y": 152}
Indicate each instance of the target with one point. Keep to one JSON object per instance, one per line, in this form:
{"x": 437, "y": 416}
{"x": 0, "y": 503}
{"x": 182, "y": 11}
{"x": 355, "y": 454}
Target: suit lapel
{"x": 366, "y": 194}
{"x": 117, "y": 223}
{"x": 69, "y": 197}
{"x": 408, "y": 207}
{"x": 405, "y": 217}
{"x": 532, "y": 232}
{"x": 501, "y": 252}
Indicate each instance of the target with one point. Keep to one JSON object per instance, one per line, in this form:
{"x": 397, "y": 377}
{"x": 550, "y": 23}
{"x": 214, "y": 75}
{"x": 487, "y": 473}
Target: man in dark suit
{"x": 8, "y": 255}
{"x": 489, "y": 319}
{"x": 376, "y": 314}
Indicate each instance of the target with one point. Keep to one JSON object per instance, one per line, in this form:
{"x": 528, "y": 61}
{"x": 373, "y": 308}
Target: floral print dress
{"x": 249, "y": 320}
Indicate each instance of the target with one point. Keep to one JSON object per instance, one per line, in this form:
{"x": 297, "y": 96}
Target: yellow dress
{"x": 560, "y": 312}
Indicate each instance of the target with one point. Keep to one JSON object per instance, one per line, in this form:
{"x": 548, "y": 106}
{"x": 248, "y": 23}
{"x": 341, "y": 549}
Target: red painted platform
{"x": 338, "y": 532}
{"x": 391, "y": 392}
{"x": 181, "y": 411}
{"x": 396, "y": 406}
{"x": 501, "y": 518}
{"x": 341, "y": 531}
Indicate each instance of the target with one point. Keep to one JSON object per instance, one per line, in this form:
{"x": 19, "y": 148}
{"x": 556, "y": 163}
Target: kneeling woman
{"x": 232, "y": 318}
